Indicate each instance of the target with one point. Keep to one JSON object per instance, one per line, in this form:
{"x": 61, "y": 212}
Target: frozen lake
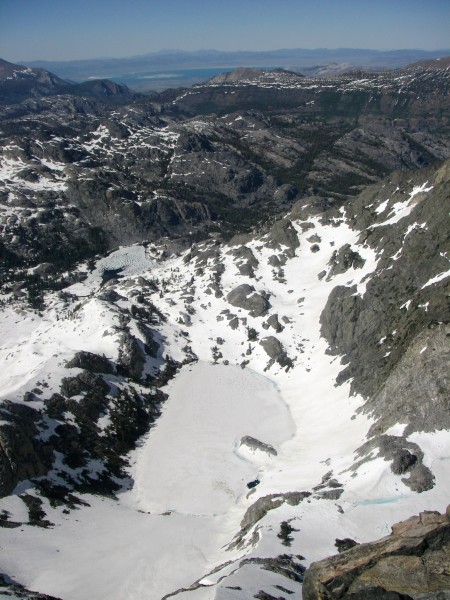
{"x": 190, "y": 475}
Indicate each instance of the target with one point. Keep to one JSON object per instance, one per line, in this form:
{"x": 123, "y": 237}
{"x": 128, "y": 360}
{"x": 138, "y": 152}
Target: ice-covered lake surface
{"x": 123, "y": 262}
{"x": 192, "y": 463}
{"x": 189, "y": 477}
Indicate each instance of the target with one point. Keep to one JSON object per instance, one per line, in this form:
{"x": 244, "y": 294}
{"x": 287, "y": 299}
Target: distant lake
{"x": 161, "y": 80}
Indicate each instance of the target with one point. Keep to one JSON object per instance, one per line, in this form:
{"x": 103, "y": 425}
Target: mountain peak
{"x": 247, "y": 75}
{"x": 19, "y": 83}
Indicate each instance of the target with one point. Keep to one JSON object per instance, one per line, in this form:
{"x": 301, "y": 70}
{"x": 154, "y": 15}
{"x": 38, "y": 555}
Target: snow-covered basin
{"x": 191, "y": 462}
{"x": 127, "y": 261}
{"x": 188, "y": 474}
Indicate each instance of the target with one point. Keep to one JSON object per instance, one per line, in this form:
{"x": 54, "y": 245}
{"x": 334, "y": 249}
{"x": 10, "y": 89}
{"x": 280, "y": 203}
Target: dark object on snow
{"x": 252, "y": 484}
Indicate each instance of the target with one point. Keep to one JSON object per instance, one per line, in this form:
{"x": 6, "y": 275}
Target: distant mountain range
{"x": 19, "y": 82}
{"x": 144, "y": 71}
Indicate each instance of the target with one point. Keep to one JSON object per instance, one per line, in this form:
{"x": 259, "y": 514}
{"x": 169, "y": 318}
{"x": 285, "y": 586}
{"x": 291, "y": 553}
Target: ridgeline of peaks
{"x": 257, "y": 76}
{"x": 18, "y": 83}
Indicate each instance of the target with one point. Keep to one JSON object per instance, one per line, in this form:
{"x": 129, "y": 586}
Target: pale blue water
{"x": 180, "y": 76}
{"x": 159, "y": 80}
{"x": 379, "y": 501}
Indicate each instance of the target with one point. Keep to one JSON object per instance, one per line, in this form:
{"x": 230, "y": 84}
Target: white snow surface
{"x": 211, "y": 408}
{"x": 172, "y": 530}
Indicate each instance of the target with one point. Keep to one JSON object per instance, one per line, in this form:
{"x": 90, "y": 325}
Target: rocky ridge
{"x": 94, "y": 176}
{"x": 412, "y": 563}
{"x": 19, "y": 83}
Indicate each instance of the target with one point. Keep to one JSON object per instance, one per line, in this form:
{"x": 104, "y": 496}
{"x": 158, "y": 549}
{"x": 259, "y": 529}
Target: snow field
{"x": 172, "y": 529}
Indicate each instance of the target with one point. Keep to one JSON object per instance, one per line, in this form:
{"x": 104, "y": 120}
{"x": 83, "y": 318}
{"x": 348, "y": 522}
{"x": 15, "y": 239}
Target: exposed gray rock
{"x": 273, "y": 322}
{"x": 275, "y": 261}
{"x": 344, "y": 259}
{"x": 10, "y": 589}
{"x": 21, "y": 454}
{"x": 381, "y": 332}
{"x": 420, "y": 479}
{"x": 345, "y": 544}
{"x": 403, "y": 461}
{"x": 131, "y": 355}
{"x": 261, "y": 507}
{"x": 283, "y": 236}
{"x": 423, "y": 402}
{"x": 246, "y": 261}
{"x": 234, "y": 323}
{"x": 406, "y": 457}
{"x": 83, "y": 382}
{"x": 255, "y": 444}
{"x": 410, "y": 563}
{"x": 245, "y": 296}
{"x": 314, "y": 239}
{"x": 330, "y": 494}
{"x": 274, "y": 349}
{"x": 90, "y": 362}
{"x": 109, "y": 295}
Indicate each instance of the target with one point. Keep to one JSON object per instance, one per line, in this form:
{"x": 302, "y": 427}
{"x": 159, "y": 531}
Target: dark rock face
{"x": 90, "y": 362}
{"x": 83, "y": 382}
{"x": 21, "y": 456}
{"x": 403, "y": 461}
{"x": 345, "y": 544}
{"x": 283, "y": 236}
{"x": 262, "y": 506}
{"x": 131, "y": 356}
{"x": 245, "y": 296}
{"x": 274, "y": 349}
{"x": 273, "y": 322}
{"x": 343, "y": 259}
{"x": 425, "y": 397}
{"x": 397, "y": 327}
{"x": 246, "y": 261}
{"x": 406, "y": 458}
{"x": 255, "y": 444}
{"x": 411, "y": 563}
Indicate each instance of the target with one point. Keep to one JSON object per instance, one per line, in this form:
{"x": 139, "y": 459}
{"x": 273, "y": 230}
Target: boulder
{"x": 255, "y": 444}
{"x": 245, "y": 296}
{"x": 274, "y": 349}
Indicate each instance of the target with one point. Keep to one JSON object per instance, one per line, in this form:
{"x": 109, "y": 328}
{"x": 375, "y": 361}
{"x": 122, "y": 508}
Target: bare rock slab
{"x": 413, "y": 562}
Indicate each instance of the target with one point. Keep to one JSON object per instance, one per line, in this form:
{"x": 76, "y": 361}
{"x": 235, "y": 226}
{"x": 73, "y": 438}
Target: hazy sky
{"x": 74, "y": 29}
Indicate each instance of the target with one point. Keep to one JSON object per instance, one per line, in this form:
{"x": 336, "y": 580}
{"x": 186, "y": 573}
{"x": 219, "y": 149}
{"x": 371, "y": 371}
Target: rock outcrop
{"x": 244, "y": 296}
{"x": 413, "y": 563}
{"x": 274, "y": 349}
{"x": 90, "y": 362}
{"x": 21, "y": 455}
